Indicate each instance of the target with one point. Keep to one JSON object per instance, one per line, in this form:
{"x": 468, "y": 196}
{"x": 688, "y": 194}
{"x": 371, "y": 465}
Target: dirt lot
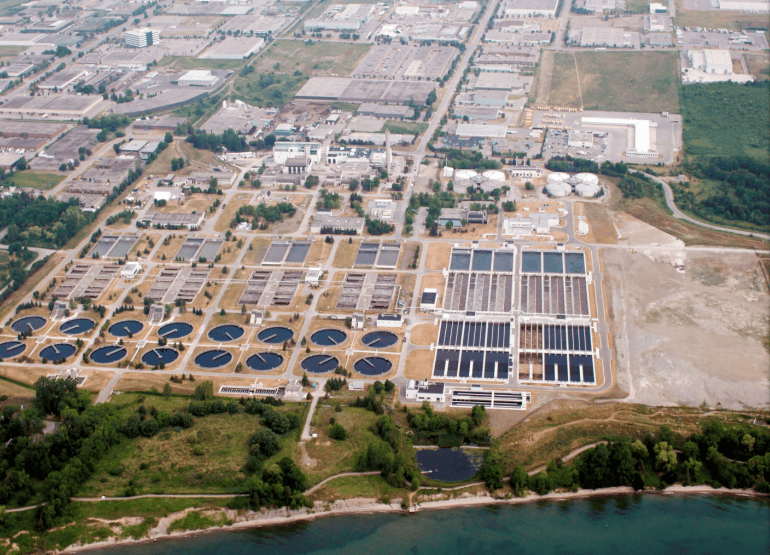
{"x": 600, "y": 227}
{"x": 419, "y": 364}
{"x": 438, "y": 255}
{"x": 692, "y": 337}
{"x": 424, "y": 334}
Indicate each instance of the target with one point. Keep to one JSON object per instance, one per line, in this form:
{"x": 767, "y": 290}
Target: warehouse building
{"x": 480, "y": 130}
{"x": 529, "y": 8}
{"x": 366, "y": 90}
{"x": 385, "y": 111}
{"x": 324, "y": 223}
{"x": 745, "y": 5}
{"x": 141, "y": 38}
{"x": 714, "y": 62}
{"x": 641, "y": 129}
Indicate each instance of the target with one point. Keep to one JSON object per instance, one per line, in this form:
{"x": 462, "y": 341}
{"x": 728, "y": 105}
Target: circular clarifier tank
{"x": 262, "y": 362}
{"x": 76, "y": 326}
{"x": 379, "y": 339}
{"x": 373, "y": 366}
{"x": 225, "y": 333}
{"x": 108, "y": 354}
{"x": 126, "y": 328}
{"x": 166, "y": 355}
{"x": 329, "y": 337}
{"x": 214, "y": 358}
{"x": 319, "y": 364}
{"x": 28, "y": 323}
{"x": 11, "y": 349}
{"x": 275, "y": 335}
{"x": 175, "y": 330}
{"x": 59, "y": 351}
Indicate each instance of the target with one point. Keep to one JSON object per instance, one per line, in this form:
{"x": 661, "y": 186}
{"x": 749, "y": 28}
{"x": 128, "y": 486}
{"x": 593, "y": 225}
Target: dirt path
{"x": 577, "y": 72}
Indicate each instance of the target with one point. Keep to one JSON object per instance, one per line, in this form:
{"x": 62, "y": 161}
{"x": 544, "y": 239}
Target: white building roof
{"x": 198, "y": 75}
{"x": 478, "y": 130}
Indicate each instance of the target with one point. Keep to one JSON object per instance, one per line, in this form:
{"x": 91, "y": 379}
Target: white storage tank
{"x": 587, "y": 178}
{"x": 558, "y": 188}
{"x": 464, "y": 174}
{"x": 494, "y": 175}
{"x": 558, "y": 177}
{"x": 585, "y": 189}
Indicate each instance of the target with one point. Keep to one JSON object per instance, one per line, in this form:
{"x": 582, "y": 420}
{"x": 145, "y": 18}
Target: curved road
{"x": 679, "y": 215}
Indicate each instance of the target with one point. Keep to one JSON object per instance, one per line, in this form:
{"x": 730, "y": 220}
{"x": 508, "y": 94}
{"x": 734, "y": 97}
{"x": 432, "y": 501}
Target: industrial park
{"x": 479, "y": 223}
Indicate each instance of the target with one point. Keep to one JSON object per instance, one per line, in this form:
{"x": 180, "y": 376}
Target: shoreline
{"x": 362, "y": 506}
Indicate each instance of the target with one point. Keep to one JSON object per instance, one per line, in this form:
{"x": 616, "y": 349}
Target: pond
{"x": 448, "y": 464}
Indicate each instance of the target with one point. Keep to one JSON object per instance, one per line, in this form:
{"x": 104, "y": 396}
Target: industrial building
{"x": 385, "y": 111}
{"x": 529, "y": 8}
{"x": 580, "y": 139}
{"x": 539, "y": 222}
{"x": 641, "y": 129}
{"x": 341, "y": 17}
{"x": 198, "y": 78}
{"x": 714, "y": 62}
{"x": 480, "y": 130}
{"x": 234, "y": 48}
{"x": 141, "y": 38}
{"x": 745, "y": 5}
{"x": 366, "y": 90}
{"x": 613, "y": 37}
{"x": 324, "y": 223}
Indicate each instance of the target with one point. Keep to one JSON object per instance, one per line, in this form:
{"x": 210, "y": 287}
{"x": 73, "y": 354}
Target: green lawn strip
{"x": 348, "y": 487}
{"x": 35, "y": 180}
{"x": 404, "y": 127}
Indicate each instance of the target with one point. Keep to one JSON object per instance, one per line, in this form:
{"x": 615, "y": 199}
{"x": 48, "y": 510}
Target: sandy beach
{"x": 371, "y": 506}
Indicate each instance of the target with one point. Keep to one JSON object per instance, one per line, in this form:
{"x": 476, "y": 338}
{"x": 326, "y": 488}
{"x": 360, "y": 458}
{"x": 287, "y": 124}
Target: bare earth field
{"x": 692, "y": 337}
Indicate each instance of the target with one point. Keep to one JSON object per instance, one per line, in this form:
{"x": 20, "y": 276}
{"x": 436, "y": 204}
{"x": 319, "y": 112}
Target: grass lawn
{"x": 759, "y": 66}
{"x": 345, "y": 106}
{"x": 639, "y": 6}
{"x": 404, "y": 127}
{"x": 348, "y": 487}
{"x": 319, "y": 58}
{"x": 618, "y": 81}
{"x": 267, "y": 91}
{"x": 726, "y": 119}
{"x": 35, "y": 180}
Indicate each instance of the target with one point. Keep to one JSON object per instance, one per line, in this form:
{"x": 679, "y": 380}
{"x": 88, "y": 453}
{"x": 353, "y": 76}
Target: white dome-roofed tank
{"x": 558, "y": 188}
{"x": 587, "y": 178}
{"x": 464, "y": 174}
{"x": 585, "y": 189}
{"x": 494, "y": 175}
{"x": 558, "y": 177}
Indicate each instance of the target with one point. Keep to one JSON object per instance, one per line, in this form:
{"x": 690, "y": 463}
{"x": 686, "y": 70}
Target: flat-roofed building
{"x": 163, "y": 219}
{"x": 421, "y": 391}
{"x": 479, "y": 130}
{"x": 141, "y": 38}
{"x": 714, "y": 62}
{"x": 327, "y": 224}
{"x": 529, "y": 8}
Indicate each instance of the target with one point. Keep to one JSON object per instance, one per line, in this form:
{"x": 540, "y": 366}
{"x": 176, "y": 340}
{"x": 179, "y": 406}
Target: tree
{"x": 336, "y": 431}
{"x": 204, "y": 391}
{"x": 519, "y": 481}
{"x": 263, "y": 444}
{"x": 52, "y": 395}
{"x": 167, "y": 390}
{"x": 168, "y": 139}
{"x": 748, "y": 442}
{"x": 665, "y": 458}
{"x": 431, "y": 98}
{"x": 492, "y": 470}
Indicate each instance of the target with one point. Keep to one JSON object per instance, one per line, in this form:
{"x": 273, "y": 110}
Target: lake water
{"x": 628, "y": 525}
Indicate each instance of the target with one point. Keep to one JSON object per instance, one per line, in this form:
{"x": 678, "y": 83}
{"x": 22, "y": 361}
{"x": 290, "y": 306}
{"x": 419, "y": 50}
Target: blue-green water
{"x": 622, "y": 525}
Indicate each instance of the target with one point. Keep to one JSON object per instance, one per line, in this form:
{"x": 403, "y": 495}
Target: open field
{"x": 601, "y": 229}
{"x": 617, "y": 81}
{"x": 162, "y": 164}
{"x": 346, "y": 253}
{"x": 726, "y": 119}
{"x": 424, "y": 334}
{"x": 35, "y": 180}
{"x": 689, "y": 338}
{"x": 438, "y": 256}
{"x": 228, "y": 213}
{"x": 348, "y": 487}
{"x": 273, "y": 90}
{"x": 185, "y": 63}
{"x": 319, "y": 58}
{"x": 419, "y": 364}
{"x": 759, "y": 66}
{"x": 15, "y": 391}
{"x": 256, "y": 251}
{"x": 564, "y": 81}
